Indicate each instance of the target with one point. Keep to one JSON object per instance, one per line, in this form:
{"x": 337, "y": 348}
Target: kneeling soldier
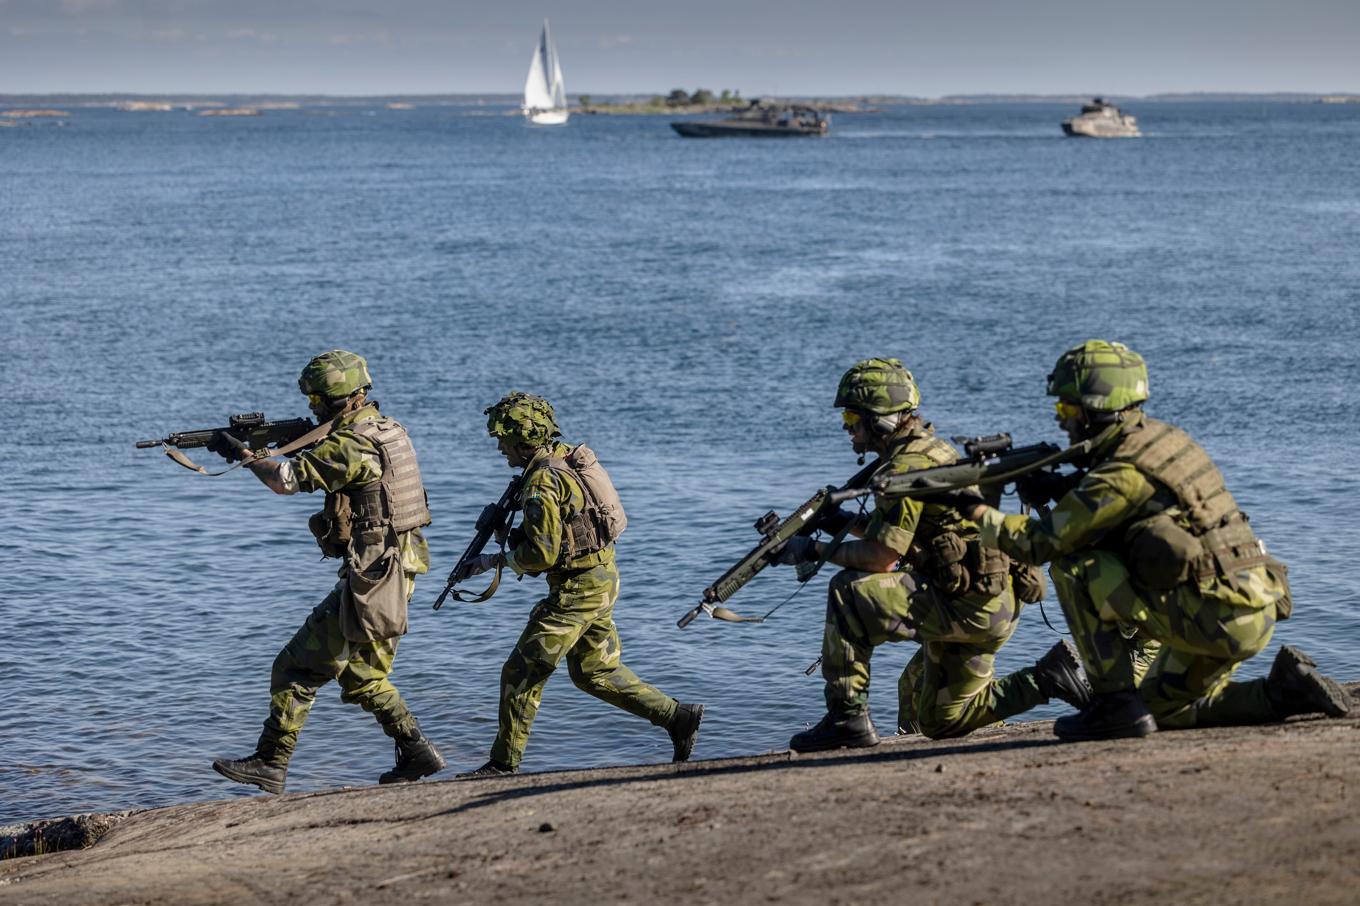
{"x": 954, "y": 598}
{"x": 375, "y": 507}
{"x": 1150, "y": 538}
{"x": 571, "y": 518}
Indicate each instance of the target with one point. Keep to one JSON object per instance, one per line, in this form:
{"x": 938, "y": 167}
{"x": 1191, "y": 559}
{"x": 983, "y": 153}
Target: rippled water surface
{"x": 688, "y": 306}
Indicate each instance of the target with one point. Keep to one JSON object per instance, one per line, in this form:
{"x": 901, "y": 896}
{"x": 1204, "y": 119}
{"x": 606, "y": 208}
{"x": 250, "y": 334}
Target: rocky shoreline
{"x": 1247, "y": 814}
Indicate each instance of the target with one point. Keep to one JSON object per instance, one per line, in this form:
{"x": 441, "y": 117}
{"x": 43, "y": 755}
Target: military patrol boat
{"x": 760, "y": 120}
{"x": 545, "y": 94}
{"x": 1101, "y": 119}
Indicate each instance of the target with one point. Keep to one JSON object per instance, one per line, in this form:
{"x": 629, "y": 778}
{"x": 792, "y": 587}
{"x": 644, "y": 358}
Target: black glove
{"x": 798, "y": 549}
{"x": 1044, "y": 487}
{"x": 230, "y": 447}
{"x": 832, "y": 521}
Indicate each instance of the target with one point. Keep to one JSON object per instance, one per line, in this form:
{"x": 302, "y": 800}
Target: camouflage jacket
{"x": 898, "y": 523}
{"x": 1109, "y": 497}
{"x": 347, "y": 460}
{"x": 549, "y": 499}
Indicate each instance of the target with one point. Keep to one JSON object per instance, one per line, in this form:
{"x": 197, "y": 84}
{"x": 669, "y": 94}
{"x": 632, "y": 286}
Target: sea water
{"x": 687, "y": 305}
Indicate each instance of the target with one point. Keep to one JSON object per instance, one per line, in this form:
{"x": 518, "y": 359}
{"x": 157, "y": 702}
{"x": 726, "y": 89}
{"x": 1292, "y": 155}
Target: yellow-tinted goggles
{"x": 850, "y": 417}
{"x": 315, "y": 399}
{"x": 1067, "y": 410}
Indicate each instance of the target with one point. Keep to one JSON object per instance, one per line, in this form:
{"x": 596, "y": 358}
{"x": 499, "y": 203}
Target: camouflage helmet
{"x": 334, "y": 375}
{"x": 880, "y": 386}
{"x": 1101, "y": 376}
{"x": 523, "y": 418}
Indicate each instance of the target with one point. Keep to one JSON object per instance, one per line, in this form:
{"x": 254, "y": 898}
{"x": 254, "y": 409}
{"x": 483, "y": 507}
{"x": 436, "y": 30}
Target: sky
{"x": 794, "y": 47}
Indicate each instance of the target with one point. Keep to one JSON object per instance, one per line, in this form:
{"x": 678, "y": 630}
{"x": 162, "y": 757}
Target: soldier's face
{"x": 1072, "y": 419}
{"x": 514, "y": 456}
{"x": 858, "y": 429}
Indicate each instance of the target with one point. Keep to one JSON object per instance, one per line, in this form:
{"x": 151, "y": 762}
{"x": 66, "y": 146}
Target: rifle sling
{"x": 481, "y": 597}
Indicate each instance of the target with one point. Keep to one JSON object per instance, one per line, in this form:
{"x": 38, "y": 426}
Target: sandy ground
{"x": 1008, "y": 815}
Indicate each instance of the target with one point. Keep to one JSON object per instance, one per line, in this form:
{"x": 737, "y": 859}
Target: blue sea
{"x": 687, "y": 305}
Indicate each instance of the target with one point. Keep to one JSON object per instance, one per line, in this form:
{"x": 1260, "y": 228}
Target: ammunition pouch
{"x": 989, "y": 568}
{"x": 1229, "y": 549}
{"x": 1284, "y": 607}
{"x": 333, "y": 526}
{"x": 957, "y": 567}
{"x": 944, "y": 563}
{"x": 1160, "y": 552}
{"x": 1030, "y": 583}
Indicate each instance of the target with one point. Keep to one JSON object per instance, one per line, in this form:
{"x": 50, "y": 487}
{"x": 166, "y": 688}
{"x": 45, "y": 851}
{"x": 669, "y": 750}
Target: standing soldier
{"x": 1150, "y": 538}
{"x": 955, "y": 598}
{"x": 374, "y": 510}
{"x": 571, "y": 517}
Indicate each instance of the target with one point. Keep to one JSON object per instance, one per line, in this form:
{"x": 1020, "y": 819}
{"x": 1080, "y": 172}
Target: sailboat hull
{"x": 546, "y": 117}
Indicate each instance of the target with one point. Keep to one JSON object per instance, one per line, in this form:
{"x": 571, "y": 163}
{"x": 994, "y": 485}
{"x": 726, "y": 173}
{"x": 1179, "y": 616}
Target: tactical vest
{"x": 1204, "y": 534}
{"x": 955, "y": 564}
{"x": 601, "y": 519}
{"x": 397, "y": 499}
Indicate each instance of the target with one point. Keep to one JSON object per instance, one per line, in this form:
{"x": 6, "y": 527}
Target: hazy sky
{"x": 790, "y": 47}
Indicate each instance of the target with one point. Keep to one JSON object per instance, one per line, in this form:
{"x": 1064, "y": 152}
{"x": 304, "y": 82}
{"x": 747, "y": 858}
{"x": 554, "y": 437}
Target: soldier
{"x": 374, "y": 510}
{"x": 1150, "y": 538}
{"x": 571, "y": 517}
{"x": 954, "y": 598}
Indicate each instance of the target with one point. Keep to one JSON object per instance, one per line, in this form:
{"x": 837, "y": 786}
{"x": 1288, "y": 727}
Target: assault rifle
{"x": 990, "y": 463}
{"x": 495, "y": 519}
{"x": 251, "y": 428}
{"x": 805, "y": 520}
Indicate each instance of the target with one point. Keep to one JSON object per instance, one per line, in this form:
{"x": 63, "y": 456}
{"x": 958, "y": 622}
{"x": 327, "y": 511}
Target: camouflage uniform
{"x": 319, "y": 651}
{"x": 1207, "y": 625}
{"x": 575, "y": 620}
{"x": 949, "y": 687}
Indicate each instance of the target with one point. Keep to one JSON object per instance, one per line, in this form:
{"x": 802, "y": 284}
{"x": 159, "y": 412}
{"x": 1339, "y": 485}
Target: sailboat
{"x": 545, "y": 97}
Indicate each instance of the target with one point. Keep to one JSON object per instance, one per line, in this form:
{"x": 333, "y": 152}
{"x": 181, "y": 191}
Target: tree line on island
{"x": 678, "y": 100}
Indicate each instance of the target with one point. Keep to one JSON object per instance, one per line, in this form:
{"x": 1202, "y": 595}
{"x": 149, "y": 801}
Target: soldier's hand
{"x": 832, "y": 521}
{"x": 1043, "y": 487}
{"x": 231, "y": 448}
{"x": 476, "y": 566}
{"x": 798, "y": 549}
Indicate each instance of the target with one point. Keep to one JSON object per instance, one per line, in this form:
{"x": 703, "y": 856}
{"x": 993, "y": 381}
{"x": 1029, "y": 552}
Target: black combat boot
{"x": 1060, "y": 676}
{"x": 837, "y": 731}
{"x": 1296, "y": 686}
{"x": 1110, "y": 715}
{"x": 684, "y": 730}
{"x": 261, "y": 768}
{"x": 492, "y": 768}
{"x": 416, "y": 758}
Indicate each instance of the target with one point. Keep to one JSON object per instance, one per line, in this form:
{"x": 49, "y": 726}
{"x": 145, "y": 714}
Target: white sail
{"x": 545, "y": 94}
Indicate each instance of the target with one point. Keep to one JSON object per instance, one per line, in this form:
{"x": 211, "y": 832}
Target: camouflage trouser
{"x": 949, "y": 686}
{"x": 1202, "y": 642}
{"x": 576, "y": 619}
{"x": 317, "y": 653}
